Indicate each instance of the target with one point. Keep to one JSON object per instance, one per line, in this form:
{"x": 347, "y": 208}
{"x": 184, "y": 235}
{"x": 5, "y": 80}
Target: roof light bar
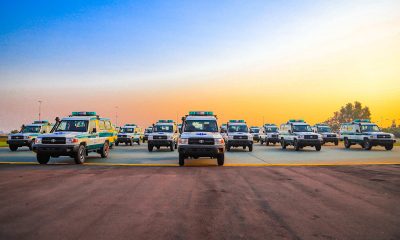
{"x": 201, "y": 113}
{"x": 84, "y": 114}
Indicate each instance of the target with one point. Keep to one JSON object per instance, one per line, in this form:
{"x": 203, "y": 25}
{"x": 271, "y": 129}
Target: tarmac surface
{"x": 261, "y": 156}
{"x": 116, "y": 202}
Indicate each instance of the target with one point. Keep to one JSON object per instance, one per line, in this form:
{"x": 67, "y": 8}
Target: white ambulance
{"x": 299, "y": 134}
{"x": 200, "y": 138}
{"x": 165, "y": 133}
{"x": 366, "y": 134}
{"x": 255, "y": 131}
{"x": 237, "y": 135}
{"x": 28, "y": 134}
{"x": 130, "y": 133}
{"x": 146, "y": 134}
{"x": 326, "y": 132}
{"x": 269, "y": 133}
{"x": 75, "y": 136}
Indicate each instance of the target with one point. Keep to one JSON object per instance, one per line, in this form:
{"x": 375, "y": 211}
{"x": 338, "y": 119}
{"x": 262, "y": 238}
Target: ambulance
{"x": 254, "y": 131}
{"x": 326, "y": 132}
{"x": 147, "y": 132}
{"x": 76, "y": 136}
{"x": 366, "y": 134}
{"x": 130, "y": 133}
{"x": 200, "y": 138}
{"x": 269, "y": 133}
{"x": 237, "y": 135}
{"x": 299, "y": 134}
{"x": 165, "y": 134}
{"x": 28, "y": 134}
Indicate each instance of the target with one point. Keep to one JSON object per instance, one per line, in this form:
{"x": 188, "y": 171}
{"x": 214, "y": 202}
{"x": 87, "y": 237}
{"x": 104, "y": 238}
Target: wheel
{"x": 244, "y": 147}
{"x": 143, "y": 141}
{"x": 347, "y": 143}
{"x": 296, "y": 145}
{"x": 318, "y": 147}
{"x": 261, "y": 142}
{"x": 42, "y": 158}
{"x": 336, "y": 142}
{"x": 267, "y": 143}
{"x": 323, "y": 142}
{"x": 367, "y": 144}
{"x": 283, "y": 144}
{"x": 181, "y": 159}
{"x": 171, "y": 146}
{"x": 116, "y": 143}
{"x": 150, "y": 147}
{"x": 250, "y": 147}
{"x": 31, "y": 144}
{"x": 80, "y": 155}
{"x": 221, "y": 159}
{"x": 176, "y": 145}
{"x": 158, "y": 147}
{"x": 104, "y": 151}
{"x": 126, "y": 143}
{"x": 131, "y": 142}
{"x": 389, "y": 147}
{"x": 228, "y": 148}
{"x": 13, "y": 148}
{"x": 138, "y": 142}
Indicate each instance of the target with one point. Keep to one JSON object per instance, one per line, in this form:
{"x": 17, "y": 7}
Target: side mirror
{"x": 94, "y": 130}
{"x": 357, "y": 131}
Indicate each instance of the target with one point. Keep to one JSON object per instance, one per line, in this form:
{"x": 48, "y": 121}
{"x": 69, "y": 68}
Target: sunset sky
{"x": 158, "y": 59}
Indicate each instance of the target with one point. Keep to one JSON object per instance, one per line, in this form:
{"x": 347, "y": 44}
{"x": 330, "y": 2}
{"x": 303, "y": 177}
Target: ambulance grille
{"x": 201, "y": 141}
{"x": 240, "y": 137}
{"x": 53, "y": 140}
{"x": 159, "y": 137}
{"x": 310, "y": 136}
{"x": 384, "y": 136}
{"x": 17, "y": 137}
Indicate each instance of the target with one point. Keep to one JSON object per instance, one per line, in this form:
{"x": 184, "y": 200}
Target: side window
{"x": 108, "y": 125}
{"x": 92, "y": 125}
{"x": 101, "y": 125}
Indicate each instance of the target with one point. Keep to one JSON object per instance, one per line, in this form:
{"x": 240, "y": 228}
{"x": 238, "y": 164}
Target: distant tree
{"x": 348, "y": 113}
{"x": 393, "y": 124}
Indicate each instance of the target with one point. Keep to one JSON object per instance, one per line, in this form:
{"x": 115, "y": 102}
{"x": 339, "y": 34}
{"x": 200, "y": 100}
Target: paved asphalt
{"x": 261, "y": 155}
{"x": 99, "y": 202}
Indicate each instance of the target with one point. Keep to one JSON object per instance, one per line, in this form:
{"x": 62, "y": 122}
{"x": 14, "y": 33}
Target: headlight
{"x": 71, "y": 140}
{"x": 38, "y": 141}
{"x": 219, "y": 141}
{"x": 183, "y": 141}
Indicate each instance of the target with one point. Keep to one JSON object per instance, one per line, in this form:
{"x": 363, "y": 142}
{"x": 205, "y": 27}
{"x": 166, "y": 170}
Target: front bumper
{"x": 239, "y": 142}
{"x": 19, "y": 142}
{"x": 382, "y": 142}
{"x": 56, "y": 149}
{"x": 256, "y": 137}
{"x": 125, "y": 140}
{"x": 309, "y": 142}
{"x": 273, "y": 140}
{"x": 330, "y": 139}
{"x": 160, "y": 142}
{"x": 201, "y": 150}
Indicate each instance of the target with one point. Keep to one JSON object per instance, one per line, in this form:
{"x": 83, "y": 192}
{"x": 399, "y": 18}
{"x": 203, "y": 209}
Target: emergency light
{"x": 84, "y": 114}
{"x": 362, "y": 121}
{"x": 201, "y": 113}
{"x": 130, "y": 125}
{"x": 40, "y": 122}
{"x": 165, "y": 121}
{"x": 294, "y": 120}
{"x": 236, "y": 121}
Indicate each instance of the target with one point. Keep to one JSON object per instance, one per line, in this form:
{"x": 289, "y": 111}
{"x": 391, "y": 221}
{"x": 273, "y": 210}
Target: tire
{"x": 228, "y": 148}
{"x": 31, "y": 145}
{"x": 283, "y": 144}
{"x": 138, "y": 142}
{"x": 181, "y": 159}
{"x": 347, "y": 143}
{"x": 221, "y": 159}
{"x": 336, "y": 142}
{"x": 105, "y": 150}
{"x": 296, "y": 145}
{"x": 116, "y": 143}
{"x": 389, "y": 147}
{"x": 143, "y": 141}
{"x": 126, "y": 143}
{"x": 158, "y": 147}
{"x": 261, "y": 142}
{"x": 150, "y": 147}
{"x": 131, "y": 142}
{"x": 13, "y": 148}
{"x": 176, "y": 145}
{"x": 367, "y": 144}
{"x": 318, "y": 148}
{"x": 42, "y": 158}
{"x": 250, "y": 147}
{"x": 80, "y": 155}
{"x": 171, "y": 147}
{"x": 323, "y": 143}
{"x": 244, "y": 147}
{"x": 267, "y": 143}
